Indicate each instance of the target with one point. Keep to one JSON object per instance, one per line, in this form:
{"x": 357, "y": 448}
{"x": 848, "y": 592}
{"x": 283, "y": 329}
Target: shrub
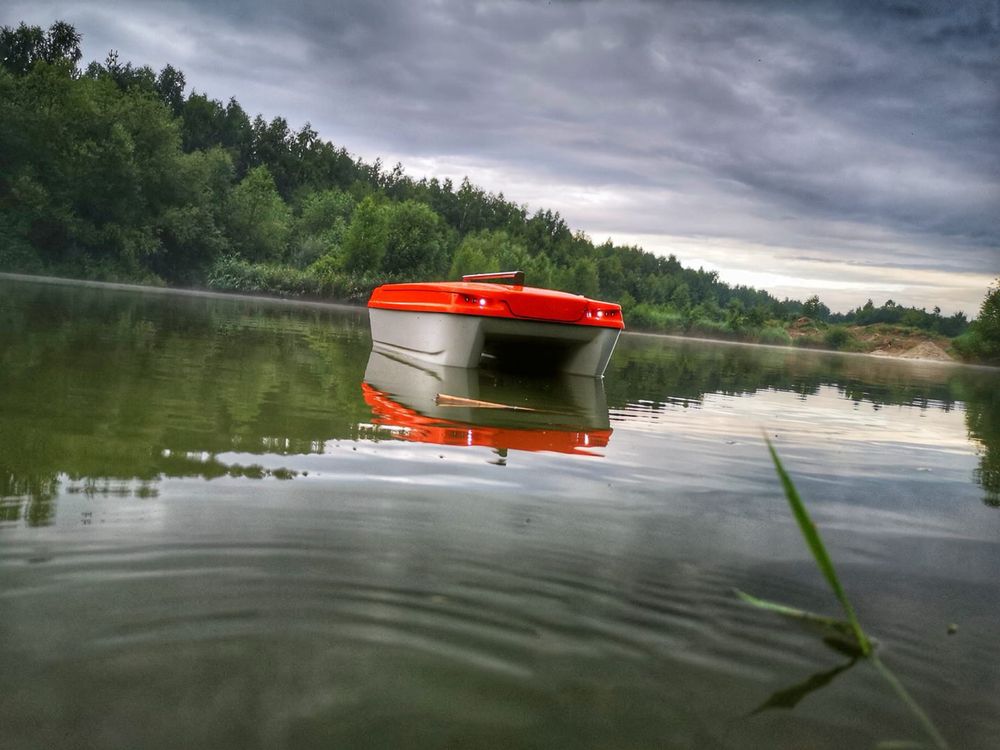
{"x": 347, "y": 287}
{"x": 836, "y": 337}
{"x": 775, "y": 335}
{"x": 18, "y": 256}
{"x": 647, "y": 317}
{"x": 714, "y": 329}
{"x": 809, "y": 342}
{"x": 233, "y": 274}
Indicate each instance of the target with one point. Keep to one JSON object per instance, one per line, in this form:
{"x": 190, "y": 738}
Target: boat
{"x": 494, "y": 316}
{"x": 457, "y": 406}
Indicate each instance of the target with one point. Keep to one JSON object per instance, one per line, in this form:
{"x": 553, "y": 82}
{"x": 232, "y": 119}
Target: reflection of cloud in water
{"x": 806, "y": 418}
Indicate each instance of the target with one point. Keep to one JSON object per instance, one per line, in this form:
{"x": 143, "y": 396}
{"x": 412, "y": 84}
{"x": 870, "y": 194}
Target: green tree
{"x": 324, "y": 211}
{"x": 982, "y": 341}
{"x": 815, "y": 309}
{"x": 584, "y": 278}
{"x": 539, "y": 271}
{"x": 757, "y": 316}
{"x": 193, "y": 231}
{"x": 170, "y": 88}
{"x": 611, "y": 274}
{"x": 681, "y": 297}
{"x": 24, "y": 46}
{"x": 201, "y": 122}
{"x": 258, "y": 219}
{"x": 321, "y": 225}
{"x": 366, "y": 237}
{"x": 735, "y": 316}
{"x": 488, "y": 251}
{"x": 90, "y": 171}
{"x": 472, "y": 257}
{"x": 124, "y": 75}
{"x": 206, "y": 123}
{"x": 417, "y": 242}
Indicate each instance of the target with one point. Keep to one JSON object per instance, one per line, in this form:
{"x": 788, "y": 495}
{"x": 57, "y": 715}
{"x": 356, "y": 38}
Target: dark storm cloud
{"x": 830, "y": 125}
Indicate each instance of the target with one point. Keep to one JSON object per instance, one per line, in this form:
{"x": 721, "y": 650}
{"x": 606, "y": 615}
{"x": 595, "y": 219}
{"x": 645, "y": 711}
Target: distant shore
{"x": 948, "y": 362}
{"x": 938, "y": 355}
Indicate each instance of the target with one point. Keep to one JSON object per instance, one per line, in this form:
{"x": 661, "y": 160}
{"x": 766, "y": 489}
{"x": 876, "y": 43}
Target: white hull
{"x": 462, "y": 340}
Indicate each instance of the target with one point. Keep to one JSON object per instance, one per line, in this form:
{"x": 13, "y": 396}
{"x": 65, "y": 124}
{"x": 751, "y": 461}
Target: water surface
{"x": 224, "y": 523}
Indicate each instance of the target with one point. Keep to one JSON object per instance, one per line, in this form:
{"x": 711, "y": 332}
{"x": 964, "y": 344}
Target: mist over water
{"x": 223, "y": 522}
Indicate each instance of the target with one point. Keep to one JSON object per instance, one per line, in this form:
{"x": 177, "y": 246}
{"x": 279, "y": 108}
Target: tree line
{"x": 113, "y": 172}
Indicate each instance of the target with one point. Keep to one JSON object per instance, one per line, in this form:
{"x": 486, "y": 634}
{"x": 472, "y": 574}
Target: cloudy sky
{"x": 848, "y": 149}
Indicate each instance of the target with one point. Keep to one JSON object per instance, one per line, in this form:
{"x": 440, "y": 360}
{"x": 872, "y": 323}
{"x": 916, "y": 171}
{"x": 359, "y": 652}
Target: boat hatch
{"x": 546, "y": 305}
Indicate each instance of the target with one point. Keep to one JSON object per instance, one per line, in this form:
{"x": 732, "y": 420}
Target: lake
{"x": 224, "y": 523}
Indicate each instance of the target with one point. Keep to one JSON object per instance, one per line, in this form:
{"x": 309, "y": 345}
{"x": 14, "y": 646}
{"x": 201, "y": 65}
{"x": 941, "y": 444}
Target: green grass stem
{"x": 915, "y": 709}
{"x": 827, "y": 624}
{"x": 822, "y": 558}
{"x": 818, "y": 549}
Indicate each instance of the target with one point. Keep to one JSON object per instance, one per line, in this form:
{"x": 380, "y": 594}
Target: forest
{"x": 113, "y": 172}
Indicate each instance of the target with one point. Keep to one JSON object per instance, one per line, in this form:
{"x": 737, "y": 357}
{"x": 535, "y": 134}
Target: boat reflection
{"x": 478, "y": 407}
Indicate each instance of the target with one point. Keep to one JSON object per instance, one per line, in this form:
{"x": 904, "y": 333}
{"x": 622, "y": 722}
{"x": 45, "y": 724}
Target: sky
{"x": 845, "y": 149}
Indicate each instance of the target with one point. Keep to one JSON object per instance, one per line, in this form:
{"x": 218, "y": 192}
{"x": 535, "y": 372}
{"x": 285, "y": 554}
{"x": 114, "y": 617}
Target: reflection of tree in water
{"x": 112, "y": 391}
{"x": 29, "y": 497}
{"x": 982, "y": 417}
{"x": 27, "y": 488}
{"x": 687, "y": 371}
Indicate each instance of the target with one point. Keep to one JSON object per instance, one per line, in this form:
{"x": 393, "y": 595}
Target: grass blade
{"x": 837, "y": 634}
{"x": 815, "y": 544}
{"x": 841, "y": 629}
{"x": 915, "y": 709}
{"x": 822, "y": 558}
{"x": 793, "y": 612}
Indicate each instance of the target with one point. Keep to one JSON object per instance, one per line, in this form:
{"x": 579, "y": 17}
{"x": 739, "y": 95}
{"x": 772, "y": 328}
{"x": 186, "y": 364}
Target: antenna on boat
{"x": 515, "y": 276}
